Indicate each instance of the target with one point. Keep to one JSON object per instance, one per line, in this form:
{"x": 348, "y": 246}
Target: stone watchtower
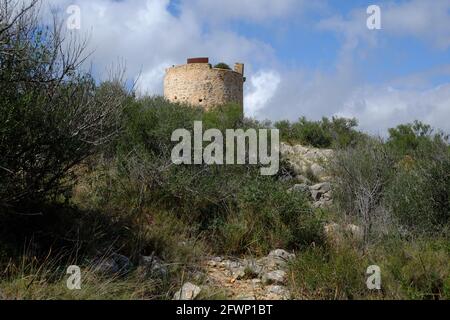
{"x": 199, "y": 84}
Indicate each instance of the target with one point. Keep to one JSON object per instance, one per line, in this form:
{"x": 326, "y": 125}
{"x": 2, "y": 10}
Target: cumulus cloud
{"x": 256, "y": 11}
{"x": 262, "y": 88}
{"x": 149, "y": 38}
{"x": 378, "y": 109}
{"x": 428, "y": 20}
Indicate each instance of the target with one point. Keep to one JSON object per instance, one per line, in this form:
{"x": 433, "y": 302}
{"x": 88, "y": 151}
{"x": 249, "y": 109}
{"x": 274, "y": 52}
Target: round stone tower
{"x": 198, "y": 83}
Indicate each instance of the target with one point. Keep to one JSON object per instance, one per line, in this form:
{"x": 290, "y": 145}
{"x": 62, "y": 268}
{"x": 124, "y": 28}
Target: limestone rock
{"x": 302, "y": 159}
{"x": 321, "y": 194}
{"x": 154, "y": 266}
{"x": 282, "y": 254}
{"x": 246, "y": 298}
{"x": 112, "y": 265}
{"x": 280, "y": 292}
{"x": 188, "y": 291}
{"x": 319, "y": 190}
{"x": 274, "y": 277}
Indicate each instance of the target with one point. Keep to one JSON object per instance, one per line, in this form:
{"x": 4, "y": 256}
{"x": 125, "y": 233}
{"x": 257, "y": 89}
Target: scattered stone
{"x": 282, "y": 254}
{"x": 324, "y": 187}
{"x": 319, "y": 190}
{"x": 280, "y": 291}
{"x": 212, "y": 263}
{"x": 323, "y": 203}
{"x": 113, "y": 265}
{"x": 106, "y": 266}
{"x": 238, "y": 274}
{"x": 256, "y": 282}
{"x": 249, "y": 279}
{"x": 302, "y": 159}
{"x": 321, "y": 194}
{"x": 276, "y": 259}
{"x": 274, "y": 277}
{"x": 154, "y": 266}
{"x": 252, "y": 269}
{"x": 188, "y": 291}
{"x": 246, "y": 298}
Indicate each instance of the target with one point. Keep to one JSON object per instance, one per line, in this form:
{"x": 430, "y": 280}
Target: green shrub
{"x": 419, "y": 194}
{"x": 406, "y": 139}
{"x": 270, "y": 217}
{"x": 361, "y": 176}
{"x": 52, "y": 114}
{"x": 409, "y": 270}
{"x": 332, "y": 275}
{"x": 231, "y": 204}
{"x": 393, "y": 186}
{"x": 336, "y": 133}
{"x": 416, "y": 269}
{"x": 222, "y": 65}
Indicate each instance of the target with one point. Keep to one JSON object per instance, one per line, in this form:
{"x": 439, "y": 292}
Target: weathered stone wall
{"x": 201, "y": 85}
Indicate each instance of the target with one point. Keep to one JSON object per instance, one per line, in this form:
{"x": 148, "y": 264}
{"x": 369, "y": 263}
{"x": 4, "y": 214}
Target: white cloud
{"x": 378, "y": 109}
{"x": 262, "y": 88}
{"x": 151, "y": 81}
{"x": 146, "y": 35}
{"x": 428, "y": 20}
{"x": 256, "y": 11}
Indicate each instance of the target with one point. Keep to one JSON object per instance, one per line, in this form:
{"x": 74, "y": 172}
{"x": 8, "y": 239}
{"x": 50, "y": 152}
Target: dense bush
{"x": 416, "y": 270}
{"x": 337, "y": 132}
{"x": 419, "y": 195}
{"x": 233, "y": 204}
{"x": 407, "y": 139}
{"x": 403, "y": 182}
{"x": 52, "y": 115}
{"x": 222, "y": 65}
{"x": 361, "y": 176}
{"x": 57, "y": 127}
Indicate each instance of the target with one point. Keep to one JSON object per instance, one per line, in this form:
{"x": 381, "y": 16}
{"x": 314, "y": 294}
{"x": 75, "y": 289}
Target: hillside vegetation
{"x": 86, "y": 179}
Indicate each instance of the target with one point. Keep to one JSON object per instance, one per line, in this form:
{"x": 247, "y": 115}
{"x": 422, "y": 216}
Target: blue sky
{"x": 302, "y": 57}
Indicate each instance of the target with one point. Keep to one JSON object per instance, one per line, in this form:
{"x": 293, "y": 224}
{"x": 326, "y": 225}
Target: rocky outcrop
{"x": 320, "y": 194}
{"x": 115, "y": 264}
{"x": 188, "y": 291}
{"x": 153, "y": 266}
{"x": 306, "y": 161}
{"x": 274, "y": 277}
